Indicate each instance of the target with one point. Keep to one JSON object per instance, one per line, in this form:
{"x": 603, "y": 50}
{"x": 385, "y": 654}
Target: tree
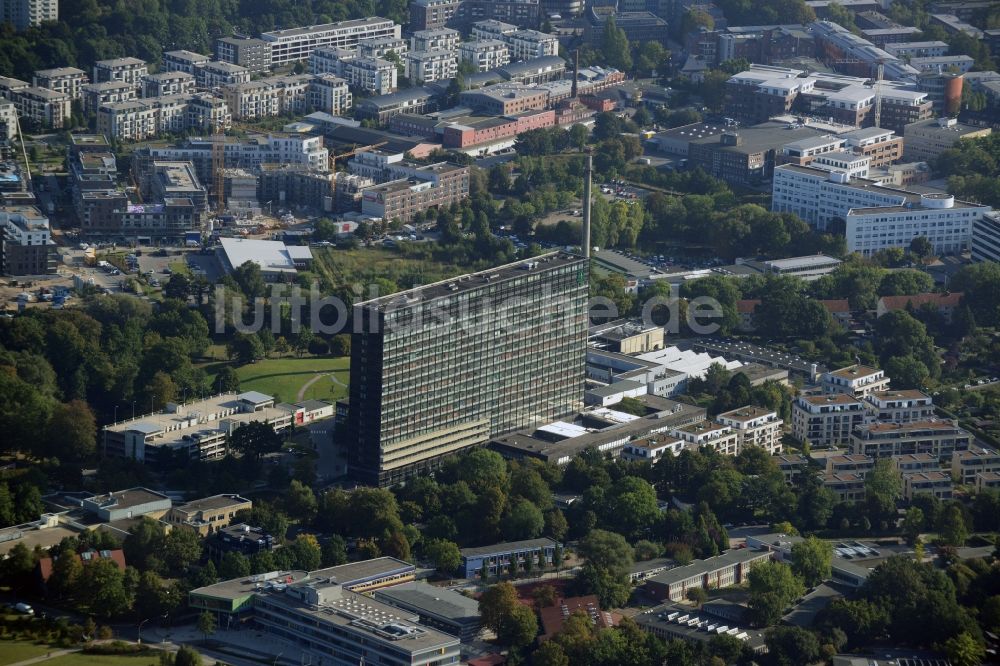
{"x": 254, "y": 439}
{"x": 523, "y": 521}
{"x": 811, "y": 560}
{"x": 444, "y": 554}
{"x": 519, "y": 627}
{"x": 615, "y": 46}
{"x": 66, "y": 572}
{"x": 227, "y": 380}
{"x": 964, "y": 650}
{"x": 921, "y": 247}
{"x": 245, "y": 348}
{"x": 305, "y": 553}
{"x": 883, "y": 487}
{"x": 913, "y": 523}
{"x": 234, "y": 565}
{"x": 606, "y": 550}
{"x": 181, "y": 548}
{"x": 953, "y": 529}
{"x": 550, "y": 653}
{"x": 773, "y": 587}
{"x": 792, "y": 646}
{"x": 300, "y": 501}
{"x": 334, "y": 551}
{"x": 103, "y": 588}
{"x": 495, "y": 605}
{"x": 697, "y": 596}
{"x": 72, "y": 432}
{"x": 578, "y": 136}
{"x": 207, "y": 624}
{"x": 187, "y": 656}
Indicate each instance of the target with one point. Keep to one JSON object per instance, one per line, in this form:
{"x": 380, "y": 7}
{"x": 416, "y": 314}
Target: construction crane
{"x": 218, "y": 169}
{"x": 335, "y": 185}
{"x": 878, "y": 93}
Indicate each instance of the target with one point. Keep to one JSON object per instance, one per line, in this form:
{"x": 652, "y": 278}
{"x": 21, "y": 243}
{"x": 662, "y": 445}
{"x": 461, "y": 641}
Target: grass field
{"x": 12, "y": 652}
{"x": 80, "y": 659}
{"x": 285, "y": 377}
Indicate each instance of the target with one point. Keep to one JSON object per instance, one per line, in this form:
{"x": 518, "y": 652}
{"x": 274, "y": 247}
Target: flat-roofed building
{"x": 504, "y": 99}
{"x": 754, "y": 426}
{"x": 109, "y": 92}
{"x": 168, "y": 83}
{"x": 184, "y": 61}
{"x": 277, "y": 261}
{"x": 676, "y": 622}
{"x": 329, "y": 93}
{"x": 497, "y": 558}
{"x": 987, "y": 481}
{"x": 26, "y": 246}
{"x": 652, "y": 448}
{"x": 209, "y": 514}
{"x": 937, "y": 484}
{"x": 826, "y": 420}
{"x": 937, "y": 437}
{"x": 44, "y": 107}
{"x": 129, "y": 70}
{"x": 382, "y": 108}
{"x": 965, "y": 465}
{"x": 900, "y": 406}
{"x": 435, "y": 39}
{"x": 441, "y": 608}
{"x": 429, "y": 14}
{"x": 123, "y": 504}
{"x": 926, "y": 139}
{"x": 855, "y": 380}
{"x": 882, "y": 147}
{"x": 720, "y": 437}
{"x": 432, "y": 186}
{"x": 252, "y": 54}
{"x": 294, "y": 44}
{"x": 253, "y": 100}
{"x": 66, "y": 80}
{"x": 791, "y": 465}
{"x": 725, "y": 570}
{"x": 216, "y": 74}
{"x": 429, "y": 66}
{"x": 484, "y": 54}
{"x": 128, "y": 121}
{"x": 856, "y": 464}
{"x": 845, "y": 486}
{"x": 910, "y": 463}
{"x": 492, "y": 29}
{"x": 922, "y": 49}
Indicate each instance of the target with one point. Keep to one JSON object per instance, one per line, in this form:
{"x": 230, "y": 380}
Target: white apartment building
{"x": 826, "y": 420}
{"x": 855, "y": 166}
{"x": 127, "y": 121}
{"x": 946, "y": 63}
{"x": 492, "y": 29}
{"x": 298, "y": 43}
{"x": 917, "y": 49}
{"x": 435, "y": 39}
{"x": 429, "y": 66}
{"x": 207, "y": 113}
{"x": 754, "y": 426}
{"x": 374, "y": 75}
{"x": 168, "y": 83}
{"x": 485, "y": 54}
{"x": 940, "y": 438}
{"x": 129, "y": 70}
{"x": 329, "y": 93}
{"x": 378, "y": 47}
{"x": 902, "y": 406}
{"x": 109, "y": 92}
{"x": 215, "y": 74}
{"x": 652, "y": 449}
{"x": 857, "y": 381}
{"x": 23, "y": 14}
{"x": 67, "y": 80}
{"x": 252, "y": 100}
{"x": 171, "y": 112}
{"x": 528, "y": 44}
{"x": 877, "y": 217}
{"x": 184, "y": 61}
{"x": 8, "y": 120}
{"x": 804, "y": 151}
{"x": 720, "y": 437}
{"x": 42, "y": 106}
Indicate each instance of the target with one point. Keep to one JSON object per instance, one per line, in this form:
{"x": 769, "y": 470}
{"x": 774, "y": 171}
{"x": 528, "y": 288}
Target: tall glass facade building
{"x": 446, "y": 366}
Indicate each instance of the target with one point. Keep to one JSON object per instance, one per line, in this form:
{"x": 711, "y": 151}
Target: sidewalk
{"x": 248, "y": 643}
{"x": 44, "y": 657}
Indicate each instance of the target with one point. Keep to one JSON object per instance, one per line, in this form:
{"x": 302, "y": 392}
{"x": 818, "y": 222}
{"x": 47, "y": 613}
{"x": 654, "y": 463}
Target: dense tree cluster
{"x": 973, "y": 169}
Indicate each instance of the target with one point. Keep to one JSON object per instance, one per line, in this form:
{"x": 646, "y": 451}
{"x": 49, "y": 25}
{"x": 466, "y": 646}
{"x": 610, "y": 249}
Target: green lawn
{"x": 284, "y": 377}
{"x": 14, "y": 651}
{"x": 180, "y": 266}
{"x": 80, "y": 659}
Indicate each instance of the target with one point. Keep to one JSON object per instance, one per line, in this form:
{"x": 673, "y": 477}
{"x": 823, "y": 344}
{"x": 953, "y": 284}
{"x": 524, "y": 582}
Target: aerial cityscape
{"x": 486, "y": 332}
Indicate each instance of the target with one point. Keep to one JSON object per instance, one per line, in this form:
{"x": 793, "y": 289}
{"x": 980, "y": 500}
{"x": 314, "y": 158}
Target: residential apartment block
{"x": 216, "y": 74}
{"x": 485, "y": 54}
{"x": 251, "y": 54}
{"x": 849, "y": 463}
{"x": 754, "y": 426}
{"x": 846, "y": 486}
{"x": 109, "y": 92}
{"x": 367, "y": 73}
{"x": 67, "y": 80}
{"x": 652, "y": 448}
{"x": 528, "y": 44}
{"x": 436, "y": 39}
{"x": 903, "y": 406}
{"x": 857, "y": 381}
{"x": 43, "y": 107}
{"x": 430, "y": 14}
{"x": 129, "y": 70}
{"x": 936, "y": 437}
{"x": 420, "y": 391}
{"x": 937, "y": 484}
{"x": 826, "y": 420}
{"x": 26, "y": 246}
{"x": 431, "y": 186}
{"x": 965, "y": 465}
{"x": 141, "y": 119}
{"x": 168, "y": 83}
{"x": 492, "y": 29}
{"x": 330, "y": 94}
{"x": 877, "y": 217}
{"x": 379, "y": 47}
{"x": 910, "y": 463}
{"x": 297, "y": 93}
{"x": 295, "y": 44}
{"x": 429, "y": 66}
{"x": 720, "y": 437}
{"x": 184, "y": 61}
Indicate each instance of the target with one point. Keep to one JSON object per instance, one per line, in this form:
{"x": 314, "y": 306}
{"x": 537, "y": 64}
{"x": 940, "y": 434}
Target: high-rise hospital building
{"x": 446, "y": 366}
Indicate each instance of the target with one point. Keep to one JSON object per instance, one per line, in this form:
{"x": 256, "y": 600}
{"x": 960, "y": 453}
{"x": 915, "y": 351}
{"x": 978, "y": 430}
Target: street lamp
{"x": 138, "y": 639}
{"x": 275, "y": 662}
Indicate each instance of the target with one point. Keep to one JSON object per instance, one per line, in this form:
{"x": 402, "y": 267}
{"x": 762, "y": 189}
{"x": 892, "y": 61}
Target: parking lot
{"x": 745, "y": 351}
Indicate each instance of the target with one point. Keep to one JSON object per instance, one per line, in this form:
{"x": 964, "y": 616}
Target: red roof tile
{"x": 937, "y": 300}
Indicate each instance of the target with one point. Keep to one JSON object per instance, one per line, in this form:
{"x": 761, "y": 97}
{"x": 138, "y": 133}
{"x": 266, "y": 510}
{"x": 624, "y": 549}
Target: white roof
{"x": 691, "y": 363}
{"x": 273, "y": 256}
{"x": 564, "y": 429}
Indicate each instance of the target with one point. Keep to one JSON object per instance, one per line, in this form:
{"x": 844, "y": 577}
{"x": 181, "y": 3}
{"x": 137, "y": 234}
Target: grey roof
{"x": 145, "y": 428}
{"x": 615, "y": 389}
{"x": 430, "y": 600}
{"x": 410, "y": 94}
{"x": 648, "y": 565}
{"x": 702, "y": 567}
{"x": 255, "y": 397}
{"x": 508, "y": 547}
{"x": 310, "y": 405}
{"x": 532, "y": 65}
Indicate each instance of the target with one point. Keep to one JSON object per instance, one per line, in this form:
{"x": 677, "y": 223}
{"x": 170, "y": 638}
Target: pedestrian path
{"x": 44, "y": 657}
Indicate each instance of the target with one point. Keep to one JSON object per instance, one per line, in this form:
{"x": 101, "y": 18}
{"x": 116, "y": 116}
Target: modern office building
{"x": 926, "y": 139}
{"x": 497, "y": 558}
{"x": 725, "y": 570}
{"x": 986, "y": 238}
{"x": 26, "y": 246}
{"x": 208, "y": 514}
{"x": 23, "y": 14}
{"x": 505, "y": 350}
{"x": 295, "y": 44}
